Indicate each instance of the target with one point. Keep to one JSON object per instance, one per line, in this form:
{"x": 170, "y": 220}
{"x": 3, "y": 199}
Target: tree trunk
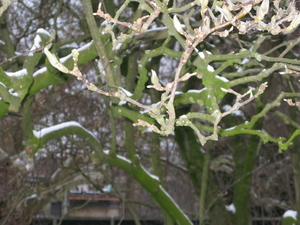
{"x": 245, "y": 156}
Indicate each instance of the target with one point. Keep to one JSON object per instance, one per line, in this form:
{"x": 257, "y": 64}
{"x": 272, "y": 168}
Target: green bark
{"x": 130, "y": 74}
{"x": 19, "y": 82}
{"x": 245, "y": 157}
{"x": 9, "y": 47}
{"x": 295, "y": 156}
{"x": 108, "y": 58}
{"x": 204, "y": 184}
{"x": 134, "y": 168}
{"x": 214, "y": 208}
{"x": 156, "y": 163}
{"x": 129, "y": 70}
{"x": 153, "y": 187}
{"x": 47, "y": 76}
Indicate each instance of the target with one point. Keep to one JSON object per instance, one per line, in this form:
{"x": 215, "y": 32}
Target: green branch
{"x": 148, "y": 181}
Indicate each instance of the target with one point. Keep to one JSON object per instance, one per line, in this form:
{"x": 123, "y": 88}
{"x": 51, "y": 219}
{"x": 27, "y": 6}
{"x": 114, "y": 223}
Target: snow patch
{"x": 36, "y": 44}
{"x": 148, "y": 130}
{"x": 210, "y": 68}
{"x": 104, "y": 23}
{"x": 127, "y": 93}
{"x": 154, "y": 30}
{"x": 230, "y": 128}
{"x": 30, "y": 197}
{"x": 183, "y": 117}
{"x": 122, "y": 102}
{"x": 107, "y": 188}
{"x": 235, "y": 113}
{"x": 18, "y": 74}
{"x": 119, "y": 156}
{"x": 64, "y": 59}
{"x": 124, "y": 159}
{"x": 196, "y": 91}
{"x": 221, "y": 78}
{"x": 290, "y": 213}
{"x": 45, "y": 131}
{"x": 201, "y": 54}
{"x": 231, "y": 208}
{"x": 118, "y": 46}
{"x": 40, "y": 71}
{"x": 12, "y": 92}
{"x": 2, "y": 84}
{"x": 166, "y": 193}
{"x": 245, "y": 60}
{"x": 223, "y": 89}
{"x": 151, "y": 175}
{"x": 85, "y": 46}
{"x": 238, "y": 113}
{"x": 106, "y": 151}
{"x": 42, "y": 31}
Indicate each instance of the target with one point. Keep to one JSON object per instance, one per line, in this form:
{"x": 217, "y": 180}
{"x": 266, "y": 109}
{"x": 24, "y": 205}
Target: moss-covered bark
{"x": 214, "y": 207}
{"x": 245, "y": 158}
{"x": 295, "y": 156}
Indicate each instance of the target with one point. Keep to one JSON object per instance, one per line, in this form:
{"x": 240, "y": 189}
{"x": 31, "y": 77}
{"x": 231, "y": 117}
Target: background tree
{"x": 202, "y": 82}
